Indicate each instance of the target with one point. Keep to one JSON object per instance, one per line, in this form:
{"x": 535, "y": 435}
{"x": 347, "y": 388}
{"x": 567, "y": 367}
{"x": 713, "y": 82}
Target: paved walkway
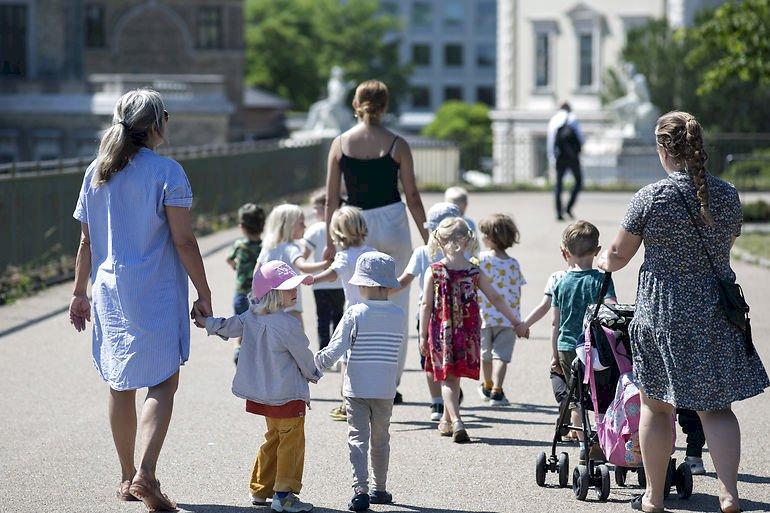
{"x": 56, "y": 452}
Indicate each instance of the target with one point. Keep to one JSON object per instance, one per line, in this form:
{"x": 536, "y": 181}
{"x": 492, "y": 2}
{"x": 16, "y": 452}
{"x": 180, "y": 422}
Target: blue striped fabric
{"x": 140, "y": 306}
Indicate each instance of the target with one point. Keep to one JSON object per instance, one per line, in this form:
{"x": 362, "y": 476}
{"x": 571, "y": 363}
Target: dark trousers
{"x": 329, "y": 306}
{"x": 562, "y": 165}
{"x": 692, "y": 427}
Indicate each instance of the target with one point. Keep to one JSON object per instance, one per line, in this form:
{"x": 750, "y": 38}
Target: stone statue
{"x": 331, "y": 113}
{"x": 634, "y": 112}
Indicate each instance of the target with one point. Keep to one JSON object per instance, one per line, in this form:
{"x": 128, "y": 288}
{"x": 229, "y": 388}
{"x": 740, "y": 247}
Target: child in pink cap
{"x": 272, "y": 374}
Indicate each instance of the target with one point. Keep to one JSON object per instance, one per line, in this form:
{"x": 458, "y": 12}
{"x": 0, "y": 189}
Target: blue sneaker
{"x": 380, "y": 497}
{"x": 359, "y": 502}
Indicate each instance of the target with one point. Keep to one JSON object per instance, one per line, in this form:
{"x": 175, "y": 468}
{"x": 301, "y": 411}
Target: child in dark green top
{"x": 574, "y": 292}
{"x": 243, "y": 258}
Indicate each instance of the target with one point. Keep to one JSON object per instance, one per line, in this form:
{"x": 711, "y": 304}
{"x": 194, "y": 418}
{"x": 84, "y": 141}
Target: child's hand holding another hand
{"x": 522, "y": 330}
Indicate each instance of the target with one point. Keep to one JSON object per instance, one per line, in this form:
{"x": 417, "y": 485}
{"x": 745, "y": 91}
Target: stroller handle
{"x": 602, "y": 292}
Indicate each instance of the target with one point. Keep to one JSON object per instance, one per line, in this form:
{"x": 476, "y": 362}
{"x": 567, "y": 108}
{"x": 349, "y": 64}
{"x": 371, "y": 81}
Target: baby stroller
{"x": 601, "y": 366}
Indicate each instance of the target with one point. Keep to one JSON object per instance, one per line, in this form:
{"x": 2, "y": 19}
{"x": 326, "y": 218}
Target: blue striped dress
{"x": 140, "y": 305}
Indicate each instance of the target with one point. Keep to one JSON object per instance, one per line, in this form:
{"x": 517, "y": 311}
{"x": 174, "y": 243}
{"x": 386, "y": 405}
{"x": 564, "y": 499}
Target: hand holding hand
{"x": 522, "y": 330}
{"x": 200, "y": 310}
{"x": 329, "y": 252}
{"x": 80, "y": 312}
{"x": 603, "y": 261}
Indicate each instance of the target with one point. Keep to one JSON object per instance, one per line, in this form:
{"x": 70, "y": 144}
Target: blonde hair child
{"x": 283, "y": 228}
{"x": 453, "y": 352}
{"x": 348, "y": 232}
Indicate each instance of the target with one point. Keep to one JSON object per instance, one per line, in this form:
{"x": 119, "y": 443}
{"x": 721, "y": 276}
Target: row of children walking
{"x": 462, "y": 333}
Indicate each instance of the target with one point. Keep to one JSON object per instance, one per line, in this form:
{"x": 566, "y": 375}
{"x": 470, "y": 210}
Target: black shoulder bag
{"x": 731, "y": 297}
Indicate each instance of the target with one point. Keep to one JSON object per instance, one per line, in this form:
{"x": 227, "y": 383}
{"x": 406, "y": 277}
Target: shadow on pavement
{"x": 215, "y": 508}
{"x": 514, "y": 442}
{"x": 702, "y": 502}
{"x": 406, "y": 508}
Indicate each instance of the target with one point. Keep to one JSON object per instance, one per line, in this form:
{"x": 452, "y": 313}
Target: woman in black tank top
{"x": 373, "y": 160}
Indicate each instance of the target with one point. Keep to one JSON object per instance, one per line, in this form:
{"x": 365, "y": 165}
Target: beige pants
{"x": 368, "y": 425}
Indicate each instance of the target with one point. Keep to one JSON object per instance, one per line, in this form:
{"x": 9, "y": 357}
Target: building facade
{"x": 63, "y": 63}
{"x": 451, "y": 45}
{"x": 550, "y": 51}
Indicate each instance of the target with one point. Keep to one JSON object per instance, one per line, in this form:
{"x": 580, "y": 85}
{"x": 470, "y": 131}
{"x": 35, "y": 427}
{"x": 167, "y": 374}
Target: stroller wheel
{"x": 669, "y": 478}
{"x": 580, "y": 482}
{"x": 563, "y": 466}
{"x": 620, "y": 476}
{"x": 641, "y": 477}
{"x": 603, "y": 487}
{"x": 683, "y": 480}
{"x": 540, "y": 469}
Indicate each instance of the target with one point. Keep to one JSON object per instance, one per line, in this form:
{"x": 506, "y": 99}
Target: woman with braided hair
{"x": 686, "y": 353}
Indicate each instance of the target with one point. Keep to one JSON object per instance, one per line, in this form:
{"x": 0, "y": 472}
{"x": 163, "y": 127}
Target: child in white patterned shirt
{"x": 498, "y": 337}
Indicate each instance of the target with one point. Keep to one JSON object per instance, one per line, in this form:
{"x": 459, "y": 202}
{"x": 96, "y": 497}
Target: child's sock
{"x": 282, "y": 495}
{"x": 437, "y": 400}
{"x": 497, "y": 389}
{"x": 488, "y": 385}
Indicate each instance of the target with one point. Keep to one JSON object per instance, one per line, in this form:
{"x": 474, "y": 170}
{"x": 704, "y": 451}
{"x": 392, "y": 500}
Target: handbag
{"x": 731, "y": 298}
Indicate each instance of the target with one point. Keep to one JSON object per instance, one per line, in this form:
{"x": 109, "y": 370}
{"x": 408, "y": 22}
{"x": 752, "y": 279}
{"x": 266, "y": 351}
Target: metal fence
{"x": 37, "y": 199}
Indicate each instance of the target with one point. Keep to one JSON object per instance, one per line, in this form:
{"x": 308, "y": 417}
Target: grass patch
{"x": 757, "y": 244}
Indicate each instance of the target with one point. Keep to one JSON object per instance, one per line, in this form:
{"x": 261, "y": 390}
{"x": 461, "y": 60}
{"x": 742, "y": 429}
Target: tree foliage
{"x": 291, "y": 46}
{"x": 466, "y": 124}
{"x": 719, "y": 69}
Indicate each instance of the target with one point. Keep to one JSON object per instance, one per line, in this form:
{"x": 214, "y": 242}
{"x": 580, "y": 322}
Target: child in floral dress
{"x": 450, "y": 324}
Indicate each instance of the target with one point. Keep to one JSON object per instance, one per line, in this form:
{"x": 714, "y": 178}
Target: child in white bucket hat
{"x": 370, "y": 335}
{"x": 272, "y": 374}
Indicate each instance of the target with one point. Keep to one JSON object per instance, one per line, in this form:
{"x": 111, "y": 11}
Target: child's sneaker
{"x": 360, "y": 500}
{"x": 436, "y": 411}
{"x": 459, "y": 434}
{"x": 256, "y": 500}
{"x": 290, "y": 504}
{"x": 484, "y": 392}
{"x": 445, "y": 428}
{"x": 696, "y": 465}
{"x": 339, "y": 413}
{"x": 497, "y": 398}
{"x": 380, "y": 497}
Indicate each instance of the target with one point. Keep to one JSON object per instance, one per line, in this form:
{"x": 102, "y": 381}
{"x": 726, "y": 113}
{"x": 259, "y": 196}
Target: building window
{"x": 453, "y": 55}
{"x": 389, "y": 8}
{"x": 421, "y": 55}
{"x": 485, "y": 55}
{"x": 94, "y": 26}
{"x": 586, "y": 60}
{"x": 542, "y": 60}
{"x": 210, "y": 27}
{"x": 13, "y": 39}
{"x": 420, "y": 97}
{"x": 421, "y": 14}
{"x": 486, "y": 94}
{"x": 486, "y": 15}
{"x": 453, "y": 93}
{"x": 454, "y": 13}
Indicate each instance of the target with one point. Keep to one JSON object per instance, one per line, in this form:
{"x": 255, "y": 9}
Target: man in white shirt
{"x": 564, "y": 142}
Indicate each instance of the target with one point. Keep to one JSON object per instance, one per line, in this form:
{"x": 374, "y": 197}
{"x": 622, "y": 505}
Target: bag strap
{"x": 697, "y": 228}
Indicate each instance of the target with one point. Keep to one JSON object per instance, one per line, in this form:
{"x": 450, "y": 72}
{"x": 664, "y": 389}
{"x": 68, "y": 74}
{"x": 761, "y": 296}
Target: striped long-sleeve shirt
{"x": 370, "y": 333}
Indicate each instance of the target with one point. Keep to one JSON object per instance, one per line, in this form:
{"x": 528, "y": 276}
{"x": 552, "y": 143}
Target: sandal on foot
{"x": 123, "y": 494}
{"x": 459, "y": 434}
{"x": 636, "y": 504}
{"x": 445, "y": 428}
{"x": 149, "y": 493}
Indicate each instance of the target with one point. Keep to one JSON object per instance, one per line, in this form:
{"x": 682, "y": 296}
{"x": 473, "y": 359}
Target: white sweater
{"x": 371, "y": 336}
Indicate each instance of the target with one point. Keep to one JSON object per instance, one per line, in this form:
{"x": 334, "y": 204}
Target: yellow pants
{"x": 281, "y": 459}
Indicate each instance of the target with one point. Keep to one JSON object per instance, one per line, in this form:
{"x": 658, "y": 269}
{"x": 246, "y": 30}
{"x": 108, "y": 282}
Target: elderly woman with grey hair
{"x": 138, "y": 247}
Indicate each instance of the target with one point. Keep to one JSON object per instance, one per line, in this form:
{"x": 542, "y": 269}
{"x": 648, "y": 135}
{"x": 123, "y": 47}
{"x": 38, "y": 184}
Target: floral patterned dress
{"x": 454, "y": 332}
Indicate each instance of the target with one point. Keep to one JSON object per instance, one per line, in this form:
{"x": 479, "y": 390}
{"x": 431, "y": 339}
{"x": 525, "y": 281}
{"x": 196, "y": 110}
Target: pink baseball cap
{"x": 276, "y": 275}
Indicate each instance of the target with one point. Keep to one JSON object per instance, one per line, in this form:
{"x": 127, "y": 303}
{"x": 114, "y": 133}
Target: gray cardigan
{"x": 275, "y": 362}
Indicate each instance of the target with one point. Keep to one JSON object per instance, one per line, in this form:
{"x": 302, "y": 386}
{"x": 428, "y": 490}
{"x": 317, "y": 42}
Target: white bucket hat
{"x": 375, "y": 269}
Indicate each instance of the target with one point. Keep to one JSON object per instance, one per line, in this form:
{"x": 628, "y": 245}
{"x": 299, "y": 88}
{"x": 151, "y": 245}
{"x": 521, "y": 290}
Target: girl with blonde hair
{"x": 450, "y": 324}
{"x": 284, "y": 227}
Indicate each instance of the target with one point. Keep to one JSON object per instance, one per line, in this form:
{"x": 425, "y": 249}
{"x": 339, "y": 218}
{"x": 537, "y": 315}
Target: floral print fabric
{"x": 454, "y": 332}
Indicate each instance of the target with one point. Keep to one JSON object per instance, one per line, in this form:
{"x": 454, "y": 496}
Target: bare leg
{"x": 499, "y": 368}
{"x": 434, "y": 387}
{"x": 486, "y": 371}
{"x": 156, "y": 416}
{"x": 122, "y": 411}
{"x": 723, "y": 435}
{"x": 450, "y": 390}
{"x": 655, "y": 439}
